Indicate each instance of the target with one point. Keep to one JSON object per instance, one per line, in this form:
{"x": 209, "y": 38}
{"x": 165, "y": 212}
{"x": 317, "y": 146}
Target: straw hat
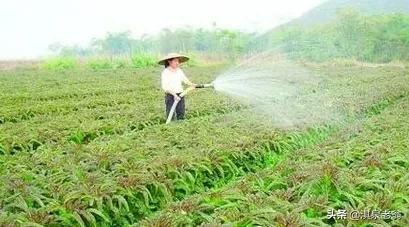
{"x": 182, "y": 58}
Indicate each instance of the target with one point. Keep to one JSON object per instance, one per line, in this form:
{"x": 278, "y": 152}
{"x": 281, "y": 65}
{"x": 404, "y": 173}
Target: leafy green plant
{"x": 99, "y": 63}
{"x": 144, "y": 60}
{"x": 60, "y": 63}
{"x": 88, "y": 150}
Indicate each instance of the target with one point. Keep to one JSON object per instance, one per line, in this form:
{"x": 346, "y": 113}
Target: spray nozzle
{"x": 205, "y": 85}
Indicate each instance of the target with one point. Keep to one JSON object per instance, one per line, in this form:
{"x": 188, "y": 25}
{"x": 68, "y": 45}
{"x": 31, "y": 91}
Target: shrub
{"x": 144, "y": 60}
{"x": 99, "y": 63}
{"x": 61, "y": 63}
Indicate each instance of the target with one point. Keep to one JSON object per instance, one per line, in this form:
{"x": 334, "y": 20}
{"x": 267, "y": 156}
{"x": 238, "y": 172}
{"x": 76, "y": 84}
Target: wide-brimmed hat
{"x": 182, "y": 58}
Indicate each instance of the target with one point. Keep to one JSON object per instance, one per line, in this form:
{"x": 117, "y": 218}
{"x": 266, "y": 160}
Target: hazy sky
{"x": 28, "y": 27}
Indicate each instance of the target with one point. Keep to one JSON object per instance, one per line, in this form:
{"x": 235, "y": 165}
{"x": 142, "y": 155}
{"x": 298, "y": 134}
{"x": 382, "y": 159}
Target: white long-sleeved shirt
{"x": 172, "y": 80}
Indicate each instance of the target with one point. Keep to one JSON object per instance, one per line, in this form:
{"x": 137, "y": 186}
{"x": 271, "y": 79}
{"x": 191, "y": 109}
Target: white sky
{"x": 28, "y": 27}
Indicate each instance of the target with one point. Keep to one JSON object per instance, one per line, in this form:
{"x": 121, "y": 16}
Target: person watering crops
{"x": 172, "y": 78}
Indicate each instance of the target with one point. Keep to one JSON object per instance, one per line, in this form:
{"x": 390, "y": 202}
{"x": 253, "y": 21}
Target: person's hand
{"x": 176, "y": 97}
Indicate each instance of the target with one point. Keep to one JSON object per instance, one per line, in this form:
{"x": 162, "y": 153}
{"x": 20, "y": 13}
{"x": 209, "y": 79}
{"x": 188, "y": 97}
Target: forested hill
{"x": 328, "y": 10}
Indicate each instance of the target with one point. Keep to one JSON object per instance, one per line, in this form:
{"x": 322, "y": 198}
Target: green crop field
{"x": 86, "y": 147}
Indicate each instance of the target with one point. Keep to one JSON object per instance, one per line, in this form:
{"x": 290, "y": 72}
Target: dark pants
{"x": 180, "y": 108}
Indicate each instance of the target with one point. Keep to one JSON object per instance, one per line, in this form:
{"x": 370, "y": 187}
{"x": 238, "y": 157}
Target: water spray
{"x": 175, "y": 103}
{"x": 280, "y": 91}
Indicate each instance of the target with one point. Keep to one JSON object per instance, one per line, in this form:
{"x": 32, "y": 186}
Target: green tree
{"x": 114, "y": 44}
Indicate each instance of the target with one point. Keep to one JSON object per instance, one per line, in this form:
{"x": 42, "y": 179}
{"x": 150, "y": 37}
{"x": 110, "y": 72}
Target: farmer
{"x": 171, "y": 82}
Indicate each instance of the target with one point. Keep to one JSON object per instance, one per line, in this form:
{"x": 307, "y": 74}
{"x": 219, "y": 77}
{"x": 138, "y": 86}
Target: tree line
{"x": 352, "y": 35}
